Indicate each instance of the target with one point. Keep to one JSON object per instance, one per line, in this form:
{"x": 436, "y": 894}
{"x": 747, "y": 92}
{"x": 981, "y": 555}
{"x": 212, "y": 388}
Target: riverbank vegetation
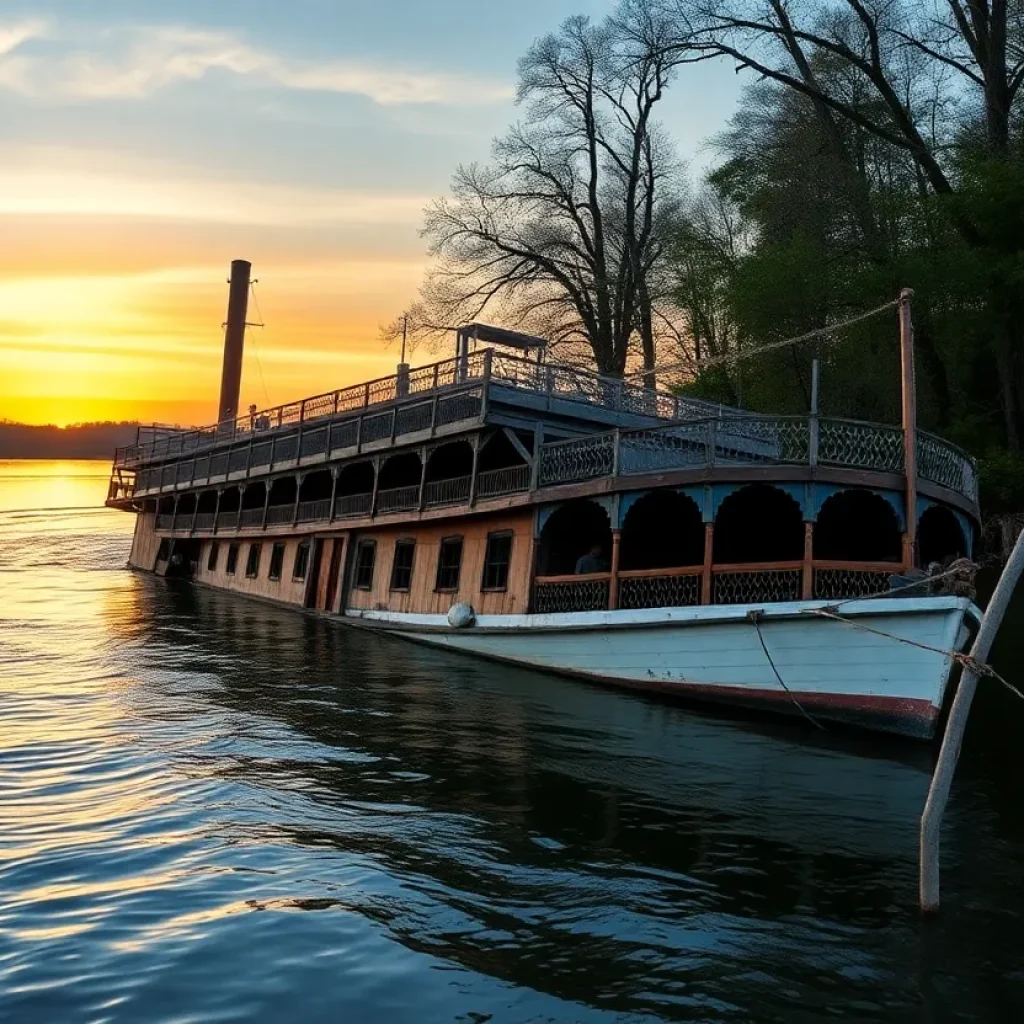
{"x": 878, "y": 145}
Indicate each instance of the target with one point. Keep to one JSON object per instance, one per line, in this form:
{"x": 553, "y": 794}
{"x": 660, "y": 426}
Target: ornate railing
{"x": 453, "y": 491}
{"x": 493, "y": 483}
{"x": 350, "y": 506}
{"x": 249, "y": 518}
{"x": 844, "y": 583}
{"x": 398, "y": 499}
{"x": 750, "y": 584}
{"x": 314, "y": 511}
{"x": 664, "y": 588}
{"x": 278, "y": 515}
{"x": 571, "y": 594}
{"x": 486, "y": 366}
{"x": 726, "y": 441}
{"x": 227, "y": 521}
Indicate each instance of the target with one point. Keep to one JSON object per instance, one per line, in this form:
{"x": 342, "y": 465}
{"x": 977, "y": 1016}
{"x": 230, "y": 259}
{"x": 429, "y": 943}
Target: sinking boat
{"x": 503, "y": 505}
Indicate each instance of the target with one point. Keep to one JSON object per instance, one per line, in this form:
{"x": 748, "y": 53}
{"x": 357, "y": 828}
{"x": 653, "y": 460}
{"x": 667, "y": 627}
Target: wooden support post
{"x": 613, "y": 583}
{"x": 616, "y": 451}
{"x": 376, "y": 481}
{"x": 216, "y": 509}
{"x": 266, "y": 501}
{"x": 335, "y": 473}
{"x": 938, "y": 793}
{"x": 298, "y": 494}
{"x": 476, "y": 463}
{"x": 709, "y": 550}
{"x": 807, "y": 590}
{"x": 909, "y": 394}
{"x": 238, "y": 515}
{"x": 424, "y": 457}
{"x": 538, "y": 442}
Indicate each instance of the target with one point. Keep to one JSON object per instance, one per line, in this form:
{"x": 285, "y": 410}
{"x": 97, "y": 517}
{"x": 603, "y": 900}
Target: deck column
{"x": 613, "y": 583}
{"x": 195, "y": 512}
{"x": 335, "y": 473}
{"x": 423, "y": 478}
{"x": 298, "y": 495}
{"x": 807, "y": 590}
{"x": 376, "y": 481}
{"x": 266, "y": 501}
{"x": 241, "y": 497}
{"x": 709, "y": 548}
{"x": 216, "y": 509}
{"x": 476, "y": 461}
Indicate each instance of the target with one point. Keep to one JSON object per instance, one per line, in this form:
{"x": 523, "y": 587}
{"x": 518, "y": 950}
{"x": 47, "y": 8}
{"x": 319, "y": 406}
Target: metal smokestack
{"x": 234, "y": 339}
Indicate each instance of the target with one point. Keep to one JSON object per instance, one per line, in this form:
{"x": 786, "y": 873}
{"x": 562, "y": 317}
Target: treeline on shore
{"x": 78, "y": 441}
{"x": 877, "y": 146}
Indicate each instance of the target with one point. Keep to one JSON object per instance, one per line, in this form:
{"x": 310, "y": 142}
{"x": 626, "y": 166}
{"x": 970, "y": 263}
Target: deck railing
{"x": 398, "y": 499}
{"x": 684, "y": 586}
{"x": 726, "y": 441}
{"x": 351, "y": 506}
{"x": 453, "y": 491}
{"x": 486, "y": 366}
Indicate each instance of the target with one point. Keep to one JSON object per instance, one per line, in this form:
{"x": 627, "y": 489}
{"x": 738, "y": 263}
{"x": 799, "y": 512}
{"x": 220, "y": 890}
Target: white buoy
{"x": 461, "y": 615}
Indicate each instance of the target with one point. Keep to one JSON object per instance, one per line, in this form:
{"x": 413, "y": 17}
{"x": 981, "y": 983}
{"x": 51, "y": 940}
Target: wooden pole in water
{"x": 909, "y": 390}
{"x": 938, "y": 793}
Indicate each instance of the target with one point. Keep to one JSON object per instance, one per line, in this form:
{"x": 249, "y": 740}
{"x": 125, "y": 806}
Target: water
{"x": 212, "y": 809}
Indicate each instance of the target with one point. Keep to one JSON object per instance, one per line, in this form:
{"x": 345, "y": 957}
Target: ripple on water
{"x": 214, "y": 810}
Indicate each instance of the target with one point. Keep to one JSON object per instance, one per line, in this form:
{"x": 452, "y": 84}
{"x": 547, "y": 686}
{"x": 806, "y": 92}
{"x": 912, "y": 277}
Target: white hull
{"x": 894, "y": 682}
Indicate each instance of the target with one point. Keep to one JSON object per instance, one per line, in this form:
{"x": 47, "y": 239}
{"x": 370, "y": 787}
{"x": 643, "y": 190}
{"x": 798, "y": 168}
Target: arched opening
{"x": 758, "y": 523}
{"x": 572, "y": 531}
{"x": 281, "y": 503}
{"x": 315, "y": 496}
{"x": 254, "y": 496}
{"x": 449, "y": 469}
{"x": 316, "y": 486}
{"x": 501, "y": 468}
{"x": 207, "y": 503}
{"x": 663, "y": 529}
{"x": 355, "y": 490}
{"x": 230, "y": 499}
{"x": 939, "y": 536}
{"x": 398, "y": 487}
{"x": 857, "y": 526}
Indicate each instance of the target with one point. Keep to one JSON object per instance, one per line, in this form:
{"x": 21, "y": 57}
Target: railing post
{"x": 366, "y": 396}
{"x": 538, "y": 444}
{"x": 909, "y": 394}
{"x": 376, "y": 481}
{"x": 709, "y": 548}
{"x": 473, "y": 475}
{"x": 335, "y": 473}
{"x": 616, "y": 452}
{"x": 613, "y": 583}
{"x": 359, "y": 433}
{"x": 712, "y": 442}
{"x": 807, "y": 588}
{"x": 423, "y": 478}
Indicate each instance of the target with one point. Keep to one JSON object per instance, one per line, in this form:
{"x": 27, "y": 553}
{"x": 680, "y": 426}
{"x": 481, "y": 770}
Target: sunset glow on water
{"x": 215, "y": 809}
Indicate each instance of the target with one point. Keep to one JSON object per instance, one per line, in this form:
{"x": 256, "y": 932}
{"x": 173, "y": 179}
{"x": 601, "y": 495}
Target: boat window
{"x": 232, "y": 559}
{"x": 366, "y": 555}
{"x": 449, "y": 563}
{"x": 252, "y": 563}
{"x": 401, "y": 569}
{"x": 276, "y": 561}
{"x": 301, "y": 561}
{"x": 211, "y": 561}
{"x": 496, "y": 560}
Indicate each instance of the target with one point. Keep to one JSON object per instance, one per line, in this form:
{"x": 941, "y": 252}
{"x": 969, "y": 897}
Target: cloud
{"x": 133, "y": 63}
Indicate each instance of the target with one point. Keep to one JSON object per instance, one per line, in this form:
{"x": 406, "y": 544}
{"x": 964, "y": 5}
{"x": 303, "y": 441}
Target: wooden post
{"x": 616, "y": 451}
{"x": 376, "y": 480}
{"x": 473, "y": 476}
{"x": 709, "y": 550}
{"x": 216, "y": 509}
{"x": 613, "y": 584}
{"x": 538, "y": 442}
{"x": 424, "y": 458}
{"x": 938, "y": 792}
{"x": 266, "y": 502}
{"x": 909, "y": 426}
{"x": 808, "y": 572}
{"x": 298, "y": 495}
{"x": 335, "y": 473}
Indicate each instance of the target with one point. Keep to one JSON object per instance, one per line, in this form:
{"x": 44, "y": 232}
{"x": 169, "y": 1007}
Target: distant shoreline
{"x": 81, "y": 441}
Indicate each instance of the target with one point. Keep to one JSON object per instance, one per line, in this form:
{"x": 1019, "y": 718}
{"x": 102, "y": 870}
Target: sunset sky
{"x": 144, "y": 145}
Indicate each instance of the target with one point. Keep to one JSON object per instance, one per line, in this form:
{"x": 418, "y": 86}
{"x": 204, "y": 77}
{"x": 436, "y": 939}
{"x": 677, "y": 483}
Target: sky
{"x": 144, "y": 145}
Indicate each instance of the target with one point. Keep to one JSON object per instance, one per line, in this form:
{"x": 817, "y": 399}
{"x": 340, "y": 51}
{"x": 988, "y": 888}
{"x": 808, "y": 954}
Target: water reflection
{"x": 216, "y": 808}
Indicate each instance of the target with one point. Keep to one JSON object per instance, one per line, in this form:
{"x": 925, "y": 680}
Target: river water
{"x": 212, "y": 809}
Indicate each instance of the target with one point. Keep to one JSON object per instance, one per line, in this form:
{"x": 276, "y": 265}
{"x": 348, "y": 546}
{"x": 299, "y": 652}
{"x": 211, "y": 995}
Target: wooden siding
{"x": 145, "y": 542}
{"x": 422, "y": 597}
{"x": 284, "y": 589}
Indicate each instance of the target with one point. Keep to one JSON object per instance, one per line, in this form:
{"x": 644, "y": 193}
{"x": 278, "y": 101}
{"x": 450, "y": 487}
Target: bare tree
{"x": 562, "y": 232}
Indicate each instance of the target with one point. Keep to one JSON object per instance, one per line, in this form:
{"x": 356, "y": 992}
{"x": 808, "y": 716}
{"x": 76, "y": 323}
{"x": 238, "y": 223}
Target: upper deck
{"x": 509, "y": 390}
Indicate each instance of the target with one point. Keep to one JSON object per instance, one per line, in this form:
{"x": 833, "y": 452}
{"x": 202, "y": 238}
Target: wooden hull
{"x": 882, "y": 670}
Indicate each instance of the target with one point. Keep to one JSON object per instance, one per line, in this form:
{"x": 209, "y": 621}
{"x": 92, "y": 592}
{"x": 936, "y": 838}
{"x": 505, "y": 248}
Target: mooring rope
{"x": 980, "y": 668}
{"x": 755, "y": 617}
{"x": 735, "y": 357}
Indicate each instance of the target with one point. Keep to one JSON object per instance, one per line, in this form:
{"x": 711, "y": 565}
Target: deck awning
{"x": 500, "y": 336}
